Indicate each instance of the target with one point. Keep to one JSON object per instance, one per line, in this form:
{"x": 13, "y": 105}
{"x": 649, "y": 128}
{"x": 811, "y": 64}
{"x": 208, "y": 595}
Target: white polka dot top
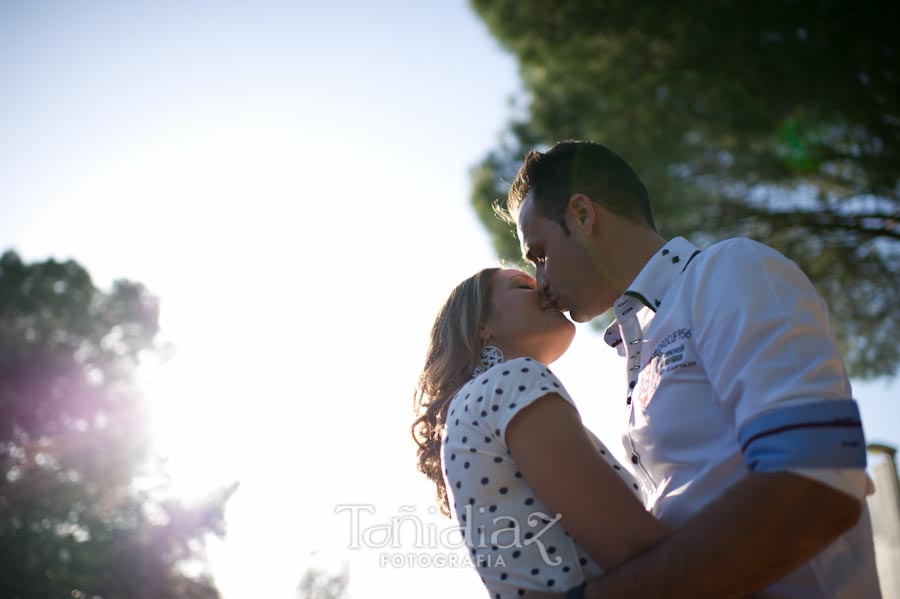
{"x": 513, "y": 541}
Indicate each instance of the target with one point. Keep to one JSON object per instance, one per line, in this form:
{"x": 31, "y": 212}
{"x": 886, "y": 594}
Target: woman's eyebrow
{"x": 521, "y": 277}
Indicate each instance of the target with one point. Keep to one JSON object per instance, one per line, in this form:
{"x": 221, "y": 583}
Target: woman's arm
{"x": 561, "y": 463}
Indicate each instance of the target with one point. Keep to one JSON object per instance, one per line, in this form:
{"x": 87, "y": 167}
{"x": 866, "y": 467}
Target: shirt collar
{"x": 613, "y": 337}
{"x": 660, "y": 272}
{"x": 654, "y": 280}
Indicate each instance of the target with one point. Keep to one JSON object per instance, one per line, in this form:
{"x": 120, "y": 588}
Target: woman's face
{"x": 517, "y": 324}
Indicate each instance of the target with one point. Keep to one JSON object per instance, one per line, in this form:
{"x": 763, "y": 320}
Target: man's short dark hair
{"x": 572, "y": 167}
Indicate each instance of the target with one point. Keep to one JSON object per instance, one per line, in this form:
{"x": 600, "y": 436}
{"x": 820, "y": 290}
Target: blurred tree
{"x": 775, "y": 120}
{"x": 319, "y": 584}
{"x": 83, "y": 513}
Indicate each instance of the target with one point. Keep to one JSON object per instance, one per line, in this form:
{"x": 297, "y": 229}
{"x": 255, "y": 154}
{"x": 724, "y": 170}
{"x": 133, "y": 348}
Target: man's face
{"x": 567, "y": 278}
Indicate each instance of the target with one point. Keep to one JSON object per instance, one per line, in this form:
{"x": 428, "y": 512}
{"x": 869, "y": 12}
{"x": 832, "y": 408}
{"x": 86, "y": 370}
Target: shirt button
{"x": 634, "y": 459}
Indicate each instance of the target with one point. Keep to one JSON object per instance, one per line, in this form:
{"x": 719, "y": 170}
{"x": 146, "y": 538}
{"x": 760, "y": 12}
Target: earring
{"x": 490, "y": 356}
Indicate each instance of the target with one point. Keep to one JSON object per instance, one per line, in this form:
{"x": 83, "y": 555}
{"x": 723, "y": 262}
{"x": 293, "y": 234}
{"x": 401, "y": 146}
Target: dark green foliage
{"x": 82, "y": 510}
{"x": 775, "y": 120}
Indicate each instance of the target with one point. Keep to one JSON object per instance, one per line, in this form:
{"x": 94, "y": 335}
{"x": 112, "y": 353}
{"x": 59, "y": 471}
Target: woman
{"x": 541, "y": 502}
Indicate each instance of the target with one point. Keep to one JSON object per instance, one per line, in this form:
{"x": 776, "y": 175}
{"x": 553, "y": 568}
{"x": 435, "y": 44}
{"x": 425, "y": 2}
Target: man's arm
{"x": 757, "y": 532}
{"x": 737, "y": 545}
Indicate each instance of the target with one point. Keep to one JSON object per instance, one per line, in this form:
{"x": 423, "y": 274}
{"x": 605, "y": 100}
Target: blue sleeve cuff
{"x": 823, "y": 434}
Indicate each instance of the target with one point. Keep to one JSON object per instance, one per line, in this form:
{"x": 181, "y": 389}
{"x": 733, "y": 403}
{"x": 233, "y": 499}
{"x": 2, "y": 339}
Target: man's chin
{"x": 578, "y": 316}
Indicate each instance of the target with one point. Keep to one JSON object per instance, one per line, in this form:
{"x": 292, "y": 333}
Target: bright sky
{"x": 291, "y": 178}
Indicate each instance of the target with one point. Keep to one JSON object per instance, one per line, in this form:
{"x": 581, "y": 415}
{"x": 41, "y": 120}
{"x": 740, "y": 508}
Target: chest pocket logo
{"x": 649, "y": 380}
{"x": 669, "y": 356}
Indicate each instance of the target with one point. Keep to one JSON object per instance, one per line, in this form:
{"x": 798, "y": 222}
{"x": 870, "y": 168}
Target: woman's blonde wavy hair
{"x": 454, "y": 352}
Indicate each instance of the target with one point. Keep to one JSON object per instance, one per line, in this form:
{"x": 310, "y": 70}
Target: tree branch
{"x": 829, "y": 220}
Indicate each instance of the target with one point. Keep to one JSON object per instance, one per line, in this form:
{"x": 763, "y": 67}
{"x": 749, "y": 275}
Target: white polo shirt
{"x": 732, "y": 368}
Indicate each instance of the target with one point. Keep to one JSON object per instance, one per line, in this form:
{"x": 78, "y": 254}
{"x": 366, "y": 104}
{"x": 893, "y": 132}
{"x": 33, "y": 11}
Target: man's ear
{"x": 581, "y": 214}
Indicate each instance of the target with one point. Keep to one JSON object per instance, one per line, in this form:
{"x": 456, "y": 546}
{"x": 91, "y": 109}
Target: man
{"x": 741, "y": 425}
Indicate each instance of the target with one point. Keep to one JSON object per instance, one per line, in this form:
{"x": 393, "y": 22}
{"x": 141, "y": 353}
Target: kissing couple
{"x": 747, "y": 454}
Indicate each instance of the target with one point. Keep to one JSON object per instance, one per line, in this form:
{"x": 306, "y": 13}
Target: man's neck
{"x": 636, "y": 248}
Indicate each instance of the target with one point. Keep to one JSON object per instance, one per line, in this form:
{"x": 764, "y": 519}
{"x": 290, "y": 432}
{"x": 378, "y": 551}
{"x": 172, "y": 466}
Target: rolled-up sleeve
{"x": 775, "y": 369}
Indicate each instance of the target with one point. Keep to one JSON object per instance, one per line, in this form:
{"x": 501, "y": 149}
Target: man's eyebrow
{"x": 530, "y": 256}
{"x": 527, "y": 253}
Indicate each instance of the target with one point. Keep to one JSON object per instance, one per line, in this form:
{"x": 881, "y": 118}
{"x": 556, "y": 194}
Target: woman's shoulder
{"x": 518, "y": 371}
{"x": 512, "y": 384}
{"x": 514, "y": 363}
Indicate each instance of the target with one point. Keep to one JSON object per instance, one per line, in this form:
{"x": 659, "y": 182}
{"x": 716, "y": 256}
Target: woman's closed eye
{"x": 522, "y": 281}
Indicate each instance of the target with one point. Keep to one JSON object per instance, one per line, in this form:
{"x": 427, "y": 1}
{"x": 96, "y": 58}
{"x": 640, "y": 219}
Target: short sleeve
{"x": 763, "y": 332}
{"x": 764, "y": 340}
{"x": 511, "y": 386}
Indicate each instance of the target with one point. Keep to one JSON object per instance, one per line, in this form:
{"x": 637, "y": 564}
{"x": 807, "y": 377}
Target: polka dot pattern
{"x": 518, "y": 544}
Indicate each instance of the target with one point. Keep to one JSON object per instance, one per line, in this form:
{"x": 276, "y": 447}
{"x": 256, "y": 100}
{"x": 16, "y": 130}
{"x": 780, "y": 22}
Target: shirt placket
{"x": 626, "y": 310}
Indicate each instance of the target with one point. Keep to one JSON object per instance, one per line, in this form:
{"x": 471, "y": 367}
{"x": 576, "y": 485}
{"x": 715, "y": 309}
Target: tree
{"x": 83, "y": 511}
{"x": 776, "y": 120}
{"x": 318, "y": 584}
